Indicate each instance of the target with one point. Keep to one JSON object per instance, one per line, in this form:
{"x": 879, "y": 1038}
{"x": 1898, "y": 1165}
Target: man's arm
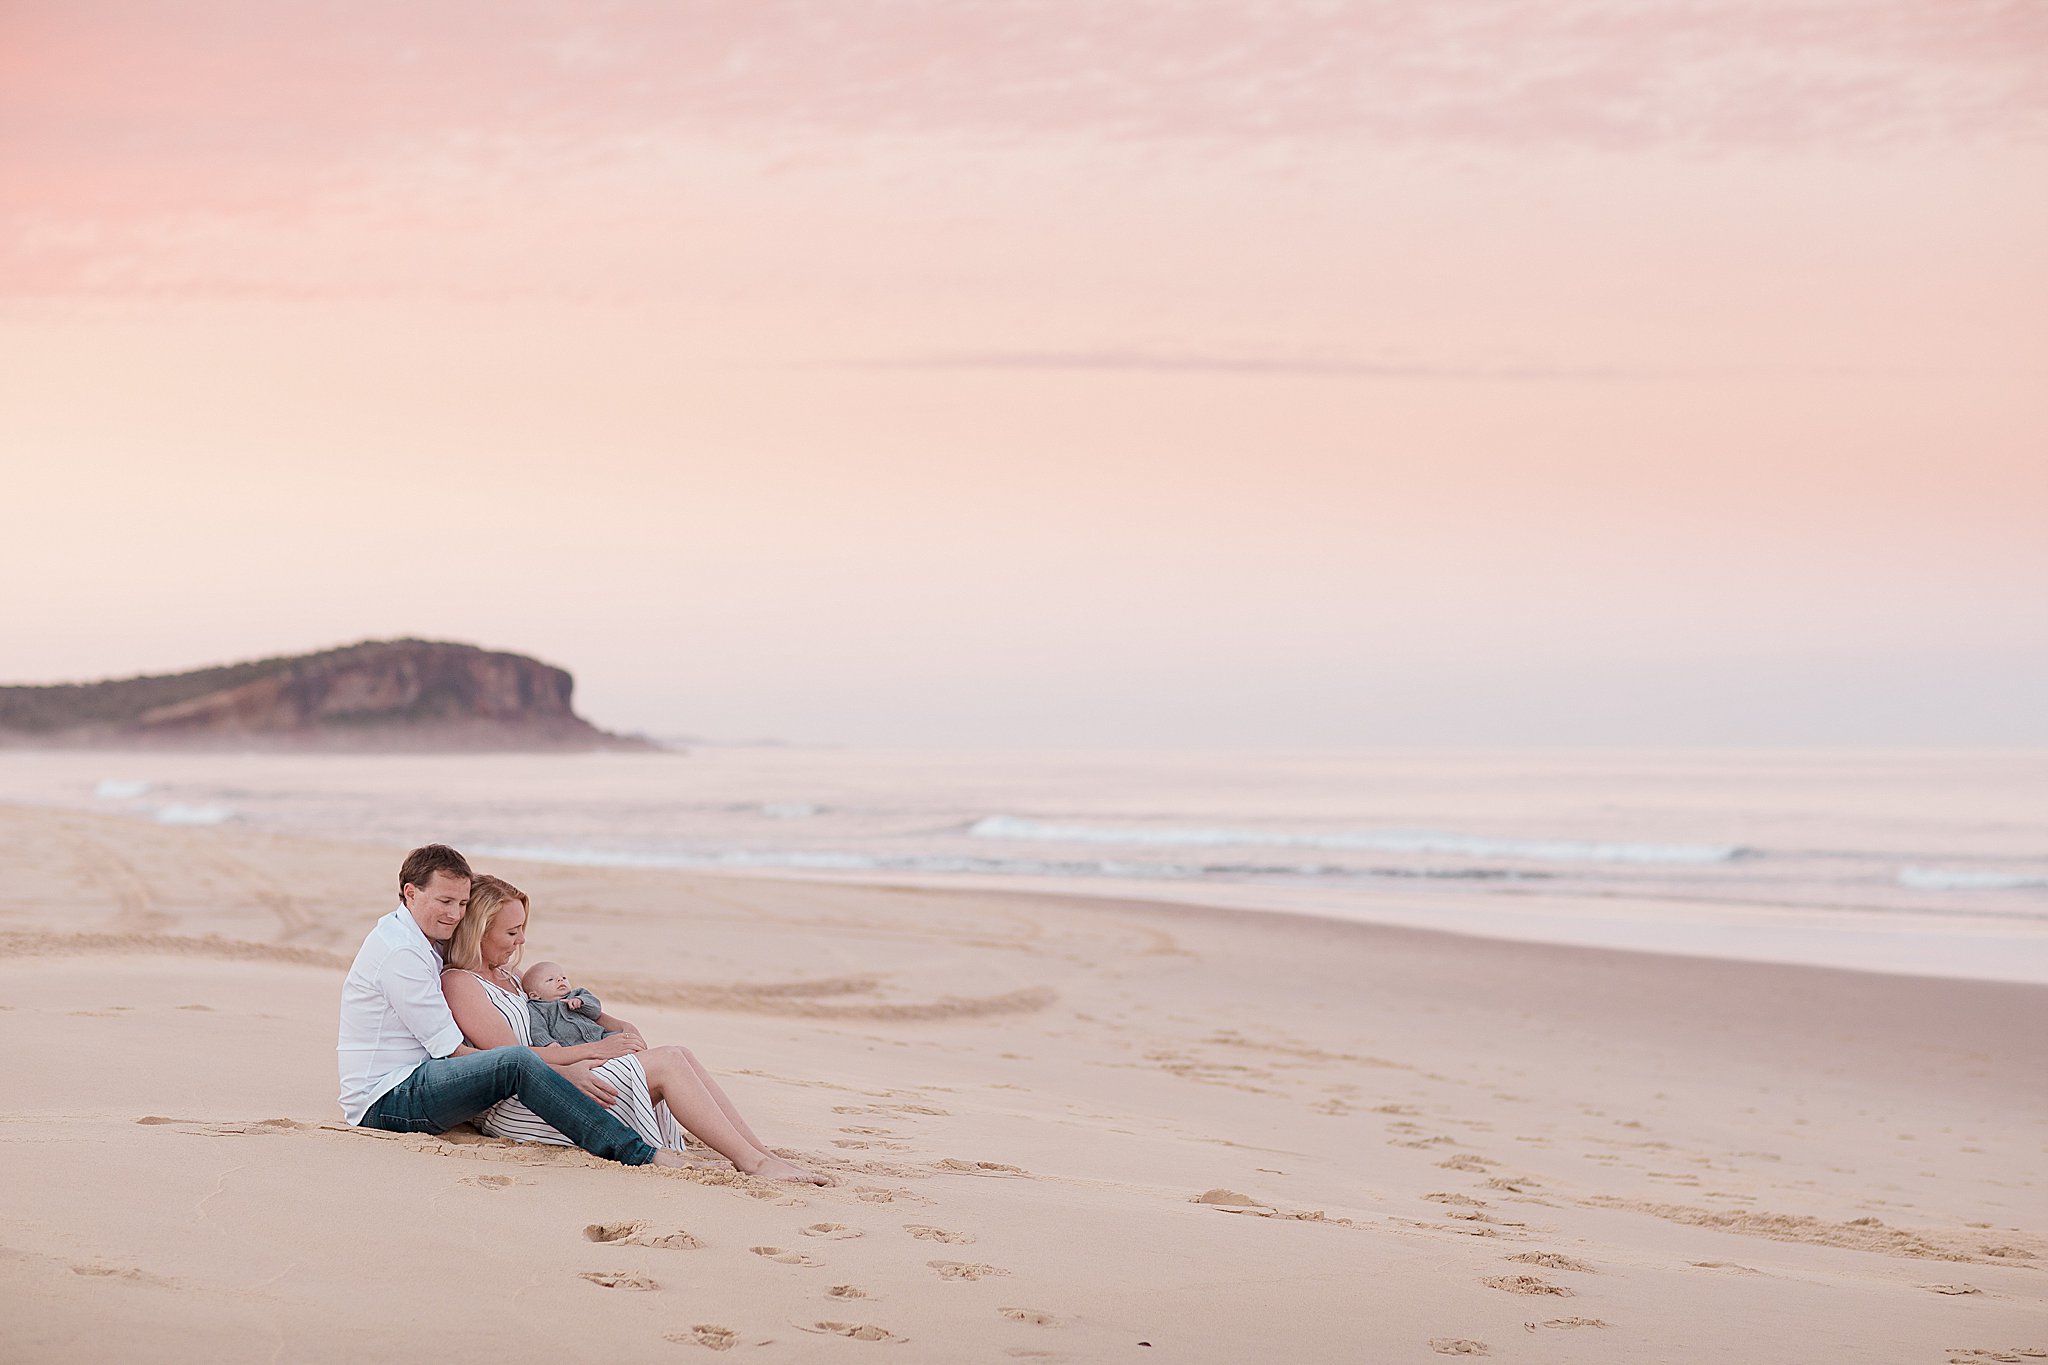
{"x": 414, "y": 990}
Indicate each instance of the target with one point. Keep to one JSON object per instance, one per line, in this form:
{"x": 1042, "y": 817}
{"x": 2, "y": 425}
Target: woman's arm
{"x": 611, "y": 1021}
{"x": 474, "y": 1013}
{"x": 481, "y": 1023}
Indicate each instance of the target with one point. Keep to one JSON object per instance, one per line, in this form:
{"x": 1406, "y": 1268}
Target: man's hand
{"x": 583, "y": 1075}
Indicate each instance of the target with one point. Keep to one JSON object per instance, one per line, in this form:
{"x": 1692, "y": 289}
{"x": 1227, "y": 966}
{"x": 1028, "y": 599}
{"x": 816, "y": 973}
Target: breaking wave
{"x": 192, "y": 815}
{"x": 1368, "y": 841}
{"x": 827, "y": 861}
{"x": 1947, "y": 879}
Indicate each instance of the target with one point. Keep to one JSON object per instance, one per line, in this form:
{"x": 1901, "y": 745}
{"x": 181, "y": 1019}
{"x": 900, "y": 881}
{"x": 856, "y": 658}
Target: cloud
{"x": 1192, "y": 363}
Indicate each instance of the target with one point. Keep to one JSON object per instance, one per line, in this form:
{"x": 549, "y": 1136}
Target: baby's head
{"x": 545, "y": 981}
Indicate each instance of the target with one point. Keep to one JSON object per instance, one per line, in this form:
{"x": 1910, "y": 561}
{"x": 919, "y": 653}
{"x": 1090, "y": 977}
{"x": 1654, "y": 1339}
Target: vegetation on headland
{"x": 378, "y": 694}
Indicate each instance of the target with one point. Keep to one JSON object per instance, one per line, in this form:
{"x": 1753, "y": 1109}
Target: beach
{"x": 1060, "y": 1127}
{"x": 1287, "y": 683}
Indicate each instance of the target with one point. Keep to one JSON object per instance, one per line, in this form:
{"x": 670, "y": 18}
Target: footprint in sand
{"x": 492, "y": 1182}
{"x": 1230, "y": 1201}
{"x": 618, "y": 1279}
{"x": 205, "y": 1128}
{"x": 1551, "y": 1260}
{"x": 781, "y": 1257}
{"x": 1564, "y": 1324}
{"x": 838, "y": 1232}
{"x": 1030, "y": 1315}
{"x": 977, "y": 1167}
{"x": 1978, "y": 1355}
{"x": 120, "y": 1272}
{"x": 965, "y": 1270}
{"x": 1466, "y": 1161}
{"x": 859, "y": 1331}
{"x": 1459, "y": 1346}
{"x": 847, "y": 1291}
{"x": 924, "y": 1233}
{"x": 638, "y": 1235}
{"x": 705, "y": 1334}
{"x": 1524, "y": 1284}
{"x": 1953, "y": 1288}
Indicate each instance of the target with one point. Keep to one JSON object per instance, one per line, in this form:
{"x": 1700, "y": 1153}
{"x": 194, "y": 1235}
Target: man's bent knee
{"x": 526, "y": 1061}
{"x": 516, "y": 1063}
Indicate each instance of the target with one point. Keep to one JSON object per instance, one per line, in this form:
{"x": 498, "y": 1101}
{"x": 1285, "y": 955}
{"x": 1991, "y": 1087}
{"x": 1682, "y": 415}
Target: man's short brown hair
{"x": 421, "y": 864}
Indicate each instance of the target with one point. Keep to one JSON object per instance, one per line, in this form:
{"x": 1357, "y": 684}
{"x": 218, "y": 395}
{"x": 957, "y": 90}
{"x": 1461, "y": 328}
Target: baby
{"x": 561, "y": 1013}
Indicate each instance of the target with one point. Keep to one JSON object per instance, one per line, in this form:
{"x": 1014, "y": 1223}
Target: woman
{"x": 660, "y": 1090}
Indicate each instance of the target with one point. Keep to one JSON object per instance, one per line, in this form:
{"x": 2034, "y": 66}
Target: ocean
{"x": 1925, "y": 862}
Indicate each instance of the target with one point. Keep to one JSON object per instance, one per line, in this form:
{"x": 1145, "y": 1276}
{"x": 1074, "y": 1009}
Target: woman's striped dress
{"x": 512, "y": 1119}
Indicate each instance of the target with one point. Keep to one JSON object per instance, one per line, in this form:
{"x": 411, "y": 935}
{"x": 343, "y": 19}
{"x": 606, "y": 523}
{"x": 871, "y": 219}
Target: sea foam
{"x": 1369, "y": 841}
{"x": 1949, "y": 879}
{"x": 192, "y": 815}
{"x": 119, "y": 789}
{"x": 797, "y": 860}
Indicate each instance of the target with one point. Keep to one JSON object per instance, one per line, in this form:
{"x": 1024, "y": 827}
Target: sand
{"x": 1060, "y": 1129}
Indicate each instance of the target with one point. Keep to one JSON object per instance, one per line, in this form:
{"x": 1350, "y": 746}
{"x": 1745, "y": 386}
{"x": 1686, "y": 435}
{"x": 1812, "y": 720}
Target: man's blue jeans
{"x": 445, "y": 1091}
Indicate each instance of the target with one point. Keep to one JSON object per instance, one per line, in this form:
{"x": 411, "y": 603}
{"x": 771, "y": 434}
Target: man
{"x": 404, "y": 1066}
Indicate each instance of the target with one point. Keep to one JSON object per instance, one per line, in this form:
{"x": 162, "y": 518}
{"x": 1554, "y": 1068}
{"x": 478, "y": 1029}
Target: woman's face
{"x": 506, "y": 932}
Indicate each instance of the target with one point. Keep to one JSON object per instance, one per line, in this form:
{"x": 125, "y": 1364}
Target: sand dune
{"x": 1056, "y": 1130}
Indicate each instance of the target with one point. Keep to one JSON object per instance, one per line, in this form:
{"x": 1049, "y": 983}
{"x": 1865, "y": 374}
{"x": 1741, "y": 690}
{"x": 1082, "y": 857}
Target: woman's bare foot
{"x": 681, "y": 1161}
{"x": 775, "y": 1168}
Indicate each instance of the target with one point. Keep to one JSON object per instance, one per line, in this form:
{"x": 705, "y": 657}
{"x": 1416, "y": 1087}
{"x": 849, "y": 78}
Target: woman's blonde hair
{"x": 487, "y": 896}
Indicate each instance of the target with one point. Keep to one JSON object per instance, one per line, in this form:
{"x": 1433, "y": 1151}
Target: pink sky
{"x": 1106, "y": 373}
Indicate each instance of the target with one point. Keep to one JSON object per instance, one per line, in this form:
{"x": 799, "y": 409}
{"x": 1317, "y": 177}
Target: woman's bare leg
{"x": 718, "y": 1097}
{"x": 673, "y": 1082}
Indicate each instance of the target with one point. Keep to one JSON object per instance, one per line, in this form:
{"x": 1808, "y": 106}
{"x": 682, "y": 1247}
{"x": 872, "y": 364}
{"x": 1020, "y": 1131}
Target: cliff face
{"x": 378, "y": 695}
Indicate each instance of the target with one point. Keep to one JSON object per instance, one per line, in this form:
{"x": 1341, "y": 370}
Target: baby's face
{"x": 551, "y": 983}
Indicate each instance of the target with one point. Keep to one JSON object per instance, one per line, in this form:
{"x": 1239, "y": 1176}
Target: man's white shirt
{"x": 393, "y": 1015}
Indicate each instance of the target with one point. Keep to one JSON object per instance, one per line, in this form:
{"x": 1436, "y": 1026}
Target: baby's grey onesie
{"x": 554, "y": 1022}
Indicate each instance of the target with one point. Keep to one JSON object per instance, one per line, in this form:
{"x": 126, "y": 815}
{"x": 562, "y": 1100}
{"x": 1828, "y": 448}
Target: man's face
{"x": 437, "y": 907}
